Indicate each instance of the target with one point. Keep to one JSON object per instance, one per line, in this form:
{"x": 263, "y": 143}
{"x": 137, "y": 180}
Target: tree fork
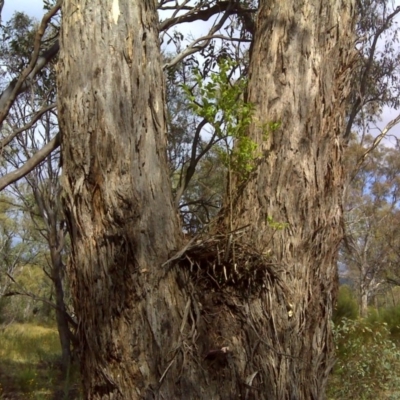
{"x": 178, "y": 331}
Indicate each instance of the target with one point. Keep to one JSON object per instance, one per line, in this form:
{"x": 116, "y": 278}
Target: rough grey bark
{"x": 301, "y": 63}
{"x": 185, "y": 329}
{"x": 116, "y": 192}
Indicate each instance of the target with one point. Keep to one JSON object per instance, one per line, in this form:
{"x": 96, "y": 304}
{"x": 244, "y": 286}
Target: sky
{"x": 34, "y": 8}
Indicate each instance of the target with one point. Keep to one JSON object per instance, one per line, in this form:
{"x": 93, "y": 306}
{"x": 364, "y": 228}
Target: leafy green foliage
{"x": 191, "y": 153}
{"x": 17, "y": 45}
{"x": 372, "y": 219}
{"x": 23, "y": 256}
{"x": 367, "y": 361}
{"x": 390, "y": 316}
{"x": 346, "y": 306}
{"x": 220, "y": 102}
{"x": 19, "y": 34}
{"x": 276, "y": 225}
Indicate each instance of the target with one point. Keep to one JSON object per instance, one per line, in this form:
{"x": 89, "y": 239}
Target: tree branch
{"x": 24, "y": 292}
{"x": 360, "y": 102}
{"x": 195, "y": 14}
{"x": 192, "y": 165}
{"x": 375, "y": 144}
{"x": 1, "y": 8}
{"x": 37, "y": 62}
{"x": 35, "y": 118}
{"x": 36, "y": 159}
{"x": 194, "y": 47}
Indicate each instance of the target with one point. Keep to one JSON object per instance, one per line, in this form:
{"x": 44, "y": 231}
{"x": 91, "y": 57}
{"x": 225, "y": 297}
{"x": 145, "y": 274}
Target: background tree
{"x": 370, "y": 252}
{"x": 38, "y": 194}
{"x": 376, "y": 82}
{"x": 370, "y": 214}
{"x": 14, "y": 244}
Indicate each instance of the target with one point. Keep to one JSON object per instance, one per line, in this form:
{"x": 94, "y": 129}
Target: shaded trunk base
{"x": 229, "y": 329}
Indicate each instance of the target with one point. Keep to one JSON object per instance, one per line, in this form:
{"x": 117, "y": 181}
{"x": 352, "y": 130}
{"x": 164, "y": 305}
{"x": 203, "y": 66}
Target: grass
{"x": 29, "y": 364}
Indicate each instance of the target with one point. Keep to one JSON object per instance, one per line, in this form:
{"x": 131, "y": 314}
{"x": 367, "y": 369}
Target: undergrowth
{"x": 30, "y": 364}
{"x": 367, "y": 353}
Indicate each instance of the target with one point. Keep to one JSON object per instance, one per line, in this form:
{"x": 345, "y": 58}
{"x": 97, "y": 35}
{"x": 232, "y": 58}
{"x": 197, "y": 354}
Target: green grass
{"x": 29, "y": 363}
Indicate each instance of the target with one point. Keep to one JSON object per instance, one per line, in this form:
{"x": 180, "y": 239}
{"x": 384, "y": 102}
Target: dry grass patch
{"x": 29, "y": 363}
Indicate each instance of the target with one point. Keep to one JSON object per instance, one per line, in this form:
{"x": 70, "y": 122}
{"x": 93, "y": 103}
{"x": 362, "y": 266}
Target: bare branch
{"x": 194, "y": 47}
{"x": 34, "y": 119}
{"x": 393, "y": 281}
{"x": 36, "y": 159}
{"x": 23, "y": 292}
{"x": 1, "y": 8}
{"x": 375, "y": 143}
{"x": 193, "y": 162}
{"x": 360, "y": 101}
{"x": 196, "y": 14}
{"x": 37, "y": 62}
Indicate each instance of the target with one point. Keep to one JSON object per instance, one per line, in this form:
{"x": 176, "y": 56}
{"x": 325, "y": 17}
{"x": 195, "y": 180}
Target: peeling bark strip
{"x": 187, "y": 330}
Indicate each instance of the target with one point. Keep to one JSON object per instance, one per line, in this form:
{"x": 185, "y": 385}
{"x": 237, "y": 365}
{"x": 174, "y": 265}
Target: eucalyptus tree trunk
{"x": 116, "y": 192}
{"x": 180, "y": 330}
{"x": 301, "y": 63}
